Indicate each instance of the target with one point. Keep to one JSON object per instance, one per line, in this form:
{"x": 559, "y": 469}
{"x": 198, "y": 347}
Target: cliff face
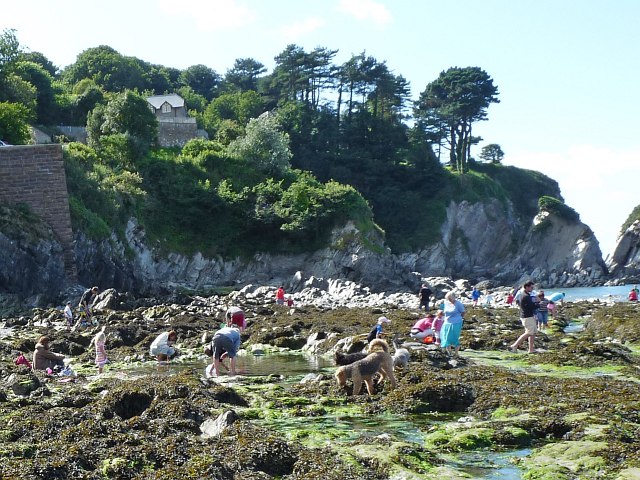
{"x": 486, "y": 241}
{"x": 31, "y": 260}
{"x": 625, "y": 261}
{"x": 478, "y": 241}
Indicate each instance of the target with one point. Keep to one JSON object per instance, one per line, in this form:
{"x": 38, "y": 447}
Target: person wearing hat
{"x": 376, "y": 331}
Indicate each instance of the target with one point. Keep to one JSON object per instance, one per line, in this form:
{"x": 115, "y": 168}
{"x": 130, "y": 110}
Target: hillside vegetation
{"x": 293, "y": 153}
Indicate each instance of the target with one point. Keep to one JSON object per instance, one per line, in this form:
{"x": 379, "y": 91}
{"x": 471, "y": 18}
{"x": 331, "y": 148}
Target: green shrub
{"x": 558, "y": 207}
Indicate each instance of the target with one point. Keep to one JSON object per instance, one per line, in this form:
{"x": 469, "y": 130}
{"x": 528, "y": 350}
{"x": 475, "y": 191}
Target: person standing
{"x": 437, "y": 325}
{"x": 452, "y": 326}
{"x": 235, "y": 316}
{"x": 475, "y": 296}
{"x": 68, "y": 315}
{"x": 280, "y": 295}
{"x": 527, "y": 318}
{"x": 225, "y": 343}
{"x": 86, "y": 302}
{"x": 424, "y": 295}
{"x": 542, "y": 313}
{"x": 101, "y": 354}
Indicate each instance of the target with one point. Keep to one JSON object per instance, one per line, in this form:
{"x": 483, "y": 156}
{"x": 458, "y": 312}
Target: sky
{"x": 566, "y": 70}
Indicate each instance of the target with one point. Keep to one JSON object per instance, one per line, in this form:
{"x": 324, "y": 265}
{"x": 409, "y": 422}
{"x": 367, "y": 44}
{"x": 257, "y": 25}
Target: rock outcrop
{"x": 487, "y": 241}
{"x": 625, "y": 261}
{"x": 479, "y": 241}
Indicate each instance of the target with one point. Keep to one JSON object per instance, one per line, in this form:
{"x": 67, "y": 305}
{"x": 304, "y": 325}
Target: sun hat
{"x": 382, "y": 320}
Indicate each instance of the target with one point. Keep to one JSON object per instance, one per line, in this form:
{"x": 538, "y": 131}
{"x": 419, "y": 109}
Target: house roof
{"x": 172, "y": 99}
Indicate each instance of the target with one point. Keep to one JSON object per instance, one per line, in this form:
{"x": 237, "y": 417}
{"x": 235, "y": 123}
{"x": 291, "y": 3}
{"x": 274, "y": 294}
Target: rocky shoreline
{"x": 575, "y": 405}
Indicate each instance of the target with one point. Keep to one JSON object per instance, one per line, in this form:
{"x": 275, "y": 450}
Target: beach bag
{"x": 22, "y": 360}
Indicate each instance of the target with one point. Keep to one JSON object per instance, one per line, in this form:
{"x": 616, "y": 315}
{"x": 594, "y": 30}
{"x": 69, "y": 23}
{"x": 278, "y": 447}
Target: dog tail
{"x": 378, "y": 343}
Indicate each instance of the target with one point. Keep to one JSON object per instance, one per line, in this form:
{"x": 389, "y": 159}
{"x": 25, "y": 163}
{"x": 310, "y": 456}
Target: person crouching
{"x": 225, "y": 343}
{"x": 162, "y": 346}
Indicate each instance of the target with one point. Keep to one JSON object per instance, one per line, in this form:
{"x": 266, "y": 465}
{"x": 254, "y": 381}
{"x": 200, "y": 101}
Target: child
{"x": 68, "y": 315}
{"x": 437, "y": 325}
{"x": 551, "y": 307}
{"x": 376, "y": 332}
{"x": 101, "y": 354}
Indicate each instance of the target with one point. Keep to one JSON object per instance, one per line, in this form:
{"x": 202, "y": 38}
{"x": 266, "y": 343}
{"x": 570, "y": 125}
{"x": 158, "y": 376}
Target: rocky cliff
{"x": 487, "y": 241}
{"x": 625, "y": 261}
{"x": 479, "y": 241}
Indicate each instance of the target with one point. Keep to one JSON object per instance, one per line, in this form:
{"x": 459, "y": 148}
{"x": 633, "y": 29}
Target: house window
{"x": 166, "y": 108}
{"x": 153, "y": 110}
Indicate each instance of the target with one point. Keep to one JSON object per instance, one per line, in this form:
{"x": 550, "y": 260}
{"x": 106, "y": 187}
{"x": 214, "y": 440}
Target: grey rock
{"x": 216, "y": 427}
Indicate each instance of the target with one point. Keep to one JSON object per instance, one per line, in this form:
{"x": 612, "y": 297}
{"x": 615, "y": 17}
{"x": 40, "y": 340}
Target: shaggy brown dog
{"x": 379, "y": 361}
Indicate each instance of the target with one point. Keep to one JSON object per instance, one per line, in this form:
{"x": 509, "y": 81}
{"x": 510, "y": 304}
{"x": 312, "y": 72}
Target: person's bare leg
{"x": 520, "y": 339}
{"x": 532, "y": 347}
{"x": 232, "y": 362}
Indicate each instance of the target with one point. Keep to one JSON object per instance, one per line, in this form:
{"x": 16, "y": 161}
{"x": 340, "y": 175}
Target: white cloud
{"x": 298, "y": 29}
{"x": 210, "y": 15}
{"x": 599, "y": 183}
{"x": 366, "y": 10}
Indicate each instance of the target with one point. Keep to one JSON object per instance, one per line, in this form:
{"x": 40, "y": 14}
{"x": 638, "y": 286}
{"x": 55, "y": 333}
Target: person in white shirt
{"x": 162, "y": 348}
{"x": 68, "y": 315}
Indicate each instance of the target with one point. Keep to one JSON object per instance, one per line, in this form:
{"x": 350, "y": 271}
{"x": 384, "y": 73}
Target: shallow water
{"x": 605, "y": 294}
{"x": 322, "y": 430}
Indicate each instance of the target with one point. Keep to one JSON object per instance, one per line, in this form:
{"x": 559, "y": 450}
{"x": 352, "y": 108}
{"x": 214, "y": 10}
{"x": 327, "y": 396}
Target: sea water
{"x": 605, "y": 294}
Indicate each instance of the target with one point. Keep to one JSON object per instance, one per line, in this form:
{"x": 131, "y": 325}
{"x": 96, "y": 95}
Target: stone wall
{"x": 34, "y": 175}
{"x": 175, "y": 132}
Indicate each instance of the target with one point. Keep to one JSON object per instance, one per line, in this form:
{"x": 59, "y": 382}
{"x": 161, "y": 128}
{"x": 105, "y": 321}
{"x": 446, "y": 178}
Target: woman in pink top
{"x": 422, "y": 328}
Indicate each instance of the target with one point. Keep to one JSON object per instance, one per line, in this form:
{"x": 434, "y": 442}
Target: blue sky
{"x": 566, "y": 70}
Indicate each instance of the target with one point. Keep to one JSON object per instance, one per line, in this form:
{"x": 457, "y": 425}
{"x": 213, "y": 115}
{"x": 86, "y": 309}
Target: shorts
{"x": 543, "y": 317}
{"x": 162, "y": 350}
{"x": 238, "y": 320}
{"x": 529, "y": 325}
{"x": 221, "y": 344}
{"x": 280, "y": 301}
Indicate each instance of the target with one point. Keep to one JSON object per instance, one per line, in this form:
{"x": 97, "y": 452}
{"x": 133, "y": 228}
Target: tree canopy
{"x": 455, "y": 100}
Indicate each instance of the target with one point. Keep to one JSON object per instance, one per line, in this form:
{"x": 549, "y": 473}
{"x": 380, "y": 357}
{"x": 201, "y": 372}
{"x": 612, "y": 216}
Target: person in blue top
{"x": 225, "y": 343}
{"x": 528, "y": 307}
{"x": 377, "y": 330}
{"x": 475, "y": 296}
{"x": 452, "y": 326}
{"x": 557, "y": 297}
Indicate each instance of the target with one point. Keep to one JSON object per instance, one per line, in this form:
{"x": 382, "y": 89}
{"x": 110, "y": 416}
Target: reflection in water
{"x": 492, "y": 467}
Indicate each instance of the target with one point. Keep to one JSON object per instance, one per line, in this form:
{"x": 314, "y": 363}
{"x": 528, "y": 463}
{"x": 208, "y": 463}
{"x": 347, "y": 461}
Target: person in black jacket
{"x": 528, "y": 318}
{"x": 424, "y": 295}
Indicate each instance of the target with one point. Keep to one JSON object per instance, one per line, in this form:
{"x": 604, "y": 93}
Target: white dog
{"x": 401, "y": 356}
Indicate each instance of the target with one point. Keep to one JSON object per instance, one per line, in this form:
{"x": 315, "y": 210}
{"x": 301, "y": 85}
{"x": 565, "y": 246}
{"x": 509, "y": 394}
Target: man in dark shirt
{"x": 424, "y": 294}
{"x": 86, "y": 301}
{"x": 527, "y": 317}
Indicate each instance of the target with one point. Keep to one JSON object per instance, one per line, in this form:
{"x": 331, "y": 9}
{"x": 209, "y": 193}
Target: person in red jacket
{"x": 633, "y": 295}
{"x": 280, "y": 296}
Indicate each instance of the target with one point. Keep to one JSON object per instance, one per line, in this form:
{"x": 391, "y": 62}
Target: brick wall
{"x": 34, "y": 174}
